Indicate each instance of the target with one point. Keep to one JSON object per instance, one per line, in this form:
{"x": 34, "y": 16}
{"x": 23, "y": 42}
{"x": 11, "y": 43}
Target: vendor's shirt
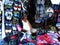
{"x": 26, "y": 26}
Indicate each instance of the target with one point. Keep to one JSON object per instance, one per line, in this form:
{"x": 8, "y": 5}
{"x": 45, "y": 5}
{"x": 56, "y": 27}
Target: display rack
{"x": 11, "y": 11}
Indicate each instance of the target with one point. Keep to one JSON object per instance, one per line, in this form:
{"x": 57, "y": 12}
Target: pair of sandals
{"x": 17, "y": 6}
{"x": 8, "y": 26}
{"x": 13, "y": 30}
{"x": 16, "y": 14}
{"x": 8, "y": 4}
{"x": 8, "y": 15}
{"x": 8, "y": 30}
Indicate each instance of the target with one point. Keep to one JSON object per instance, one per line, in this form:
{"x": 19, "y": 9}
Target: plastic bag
{"x": 48, "y": 39}
{"x": 45, "y": 39}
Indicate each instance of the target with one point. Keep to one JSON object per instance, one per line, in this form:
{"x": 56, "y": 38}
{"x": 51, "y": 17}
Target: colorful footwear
{"x": 8, "y": 30}
{"x": 8, "y": 15}
{"x": 8, "y": 4}
{"x": 17, "y": 6}
{"x": 14, "y": 27}
{"x": 16, "y": 14}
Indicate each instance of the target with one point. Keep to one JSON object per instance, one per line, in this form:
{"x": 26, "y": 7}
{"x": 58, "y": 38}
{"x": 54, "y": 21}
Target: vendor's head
{"x": 24, "y": 17}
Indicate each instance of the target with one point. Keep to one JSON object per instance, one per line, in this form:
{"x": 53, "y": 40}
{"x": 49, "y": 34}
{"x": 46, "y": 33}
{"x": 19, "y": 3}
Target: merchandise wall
{"x": 11, "y": 11}
{"x": 41, "y": 12}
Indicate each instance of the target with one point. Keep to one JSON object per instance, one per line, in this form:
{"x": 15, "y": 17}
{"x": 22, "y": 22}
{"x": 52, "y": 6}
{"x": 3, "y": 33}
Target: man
{"x": 27, "y": 28}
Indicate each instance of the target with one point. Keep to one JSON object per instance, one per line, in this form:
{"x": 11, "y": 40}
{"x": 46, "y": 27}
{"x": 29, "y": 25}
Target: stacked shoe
{"x": 8, "y": 17}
